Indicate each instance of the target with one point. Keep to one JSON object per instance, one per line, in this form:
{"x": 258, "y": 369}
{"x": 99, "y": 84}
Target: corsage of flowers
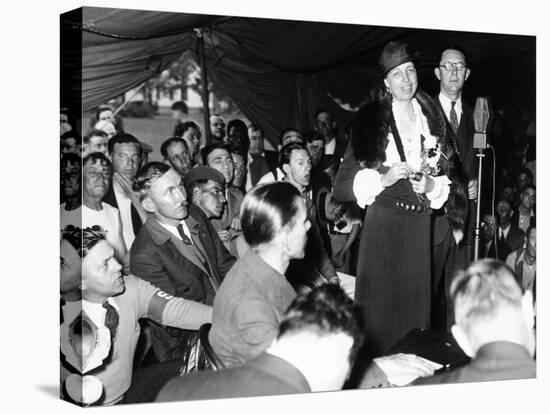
{"x": 430, "y": 153}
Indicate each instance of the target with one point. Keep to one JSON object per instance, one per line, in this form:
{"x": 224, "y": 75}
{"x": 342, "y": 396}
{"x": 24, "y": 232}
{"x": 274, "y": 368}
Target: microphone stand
{"x": 480, "y": 155}
{"x": 482, "y": 113}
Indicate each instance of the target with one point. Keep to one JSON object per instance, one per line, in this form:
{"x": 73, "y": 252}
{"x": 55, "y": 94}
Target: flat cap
{"x": 203, "y": 173}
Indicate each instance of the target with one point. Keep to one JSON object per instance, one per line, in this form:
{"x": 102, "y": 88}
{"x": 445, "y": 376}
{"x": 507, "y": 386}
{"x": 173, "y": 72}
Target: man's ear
{"x": 511, "y": 213}
{"x": 437, "y": 72}
{"x": 197, "y": 194}
{"x": 148, "y": 205}
{"x": 286, "y": 169}
{"x": 467, "y": 74}
{"x": 462, "y": 340}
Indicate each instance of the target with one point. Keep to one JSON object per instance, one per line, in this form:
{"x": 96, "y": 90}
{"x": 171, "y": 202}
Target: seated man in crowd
{"x": 190, "y": 132}
{"x": 260, "y": 162}
{"x": 205, "y": 186}
{"x": 70, "y": 143}
{"x": 94, "y": 141}
{"x": 70, "y": 186}
{"x": 312, "y": 350}
{"x": 118, "y": 303}
{"x": 218, "y": 156}
{"x": 255, "y": 292}
{"x": 217, "y": 129}
{"x": 524, "y": 216}
{"x": 316, "y": 266}
{"x": 524, "y": 261}
{"x": 237, "y": 135}
{"x": 125, "y": 153}
{"x": 177, "y": 249}
{"x": 287, "y": 136}
{"x": 507, "y": 232}
{"x": 176, "y": 154}
{"x": 493, "y": 325}
{"x": 488, "y": 247}
{"x": 96, "y": 169}
{"x": 335, "y": 145}
{"x": 523, "y": 178}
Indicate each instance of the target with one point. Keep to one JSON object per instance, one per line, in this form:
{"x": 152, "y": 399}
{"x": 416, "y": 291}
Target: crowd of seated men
{"x": 254, "y": 243}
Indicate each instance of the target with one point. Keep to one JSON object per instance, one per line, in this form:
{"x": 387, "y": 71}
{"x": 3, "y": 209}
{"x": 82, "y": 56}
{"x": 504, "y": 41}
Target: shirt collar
{"x": 446, "y": 103}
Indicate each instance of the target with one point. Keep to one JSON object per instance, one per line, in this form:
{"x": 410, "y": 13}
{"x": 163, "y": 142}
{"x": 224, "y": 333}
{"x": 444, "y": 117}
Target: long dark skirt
{"x": 393, "y": 277}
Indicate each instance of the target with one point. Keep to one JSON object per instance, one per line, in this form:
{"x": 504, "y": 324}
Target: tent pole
{"x": 206, "y": 108}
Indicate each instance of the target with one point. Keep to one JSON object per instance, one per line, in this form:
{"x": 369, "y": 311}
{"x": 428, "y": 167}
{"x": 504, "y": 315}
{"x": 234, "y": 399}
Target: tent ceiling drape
{"x": 278, "y": 72}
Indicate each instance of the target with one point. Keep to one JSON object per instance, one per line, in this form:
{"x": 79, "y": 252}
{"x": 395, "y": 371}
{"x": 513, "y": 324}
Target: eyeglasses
{"x": 448, "y": 66}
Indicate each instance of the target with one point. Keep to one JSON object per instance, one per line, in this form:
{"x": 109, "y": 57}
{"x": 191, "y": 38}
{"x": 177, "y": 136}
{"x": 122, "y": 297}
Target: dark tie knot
{"x": 183, "y": 236}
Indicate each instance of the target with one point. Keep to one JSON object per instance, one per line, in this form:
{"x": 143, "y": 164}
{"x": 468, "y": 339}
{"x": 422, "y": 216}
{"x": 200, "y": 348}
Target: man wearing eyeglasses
{"x": 449, "y": 253}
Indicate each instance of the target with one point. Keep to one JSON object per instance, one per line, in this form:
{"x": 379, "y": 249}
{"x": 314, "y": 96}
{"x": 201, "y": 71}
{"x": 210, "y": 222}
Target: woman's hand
{"x": 398, "y": 171}
{"x": 422, "y": 186}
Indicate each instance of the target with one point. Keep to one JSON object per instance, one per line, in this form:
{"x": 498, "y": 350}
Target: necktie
{"x": 453, "y": 117}
{"x": 502, "y": 238}
{"x": 183, "y": 236}
{"x": 111, "y": 319}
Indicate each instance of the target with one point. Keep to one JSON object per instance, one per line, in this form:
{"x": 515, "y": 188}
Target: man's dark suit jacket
{"x": 257, "y": 168}
{"x": 515, "y": 238}
{"x": 494, "y": 361}
{"x": 339, "y": 150}
{"x": 515, "y": 219}
{"x": 110, "y": 199}
{"x": 272, "y": 159}
{"x": 160, "y": 258}
{"x": 265, "y": 375}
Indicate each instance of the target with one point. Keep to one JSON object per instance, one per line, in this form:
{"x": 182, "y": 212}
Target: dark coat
{"x": 265, "y": 375}
{"x": 272, "y": 159}
{"x": 494, "y": 361}
{"x": 515, "y": 238}
{"x": 370, "y": 150}
{"x": 257, "y": 168}
{"x": 160, "y": 258}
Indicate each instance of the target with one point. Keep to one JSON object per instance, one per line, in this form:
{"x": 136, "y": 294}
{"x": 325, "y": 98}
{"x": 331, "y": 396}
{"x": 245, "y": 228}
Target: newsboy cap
{"x": 202, "y": 173}
{"x": 394, "y": 54}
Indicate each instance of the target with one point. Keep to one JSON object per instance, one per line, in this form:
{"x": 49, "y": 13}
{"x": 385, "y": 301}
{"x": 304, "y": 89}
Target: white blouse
{"x": 367, "y": 182}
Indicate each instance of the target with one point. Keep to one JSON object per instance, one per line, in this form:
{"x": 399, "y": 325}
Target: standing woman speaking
{"x": 403, "y": 164}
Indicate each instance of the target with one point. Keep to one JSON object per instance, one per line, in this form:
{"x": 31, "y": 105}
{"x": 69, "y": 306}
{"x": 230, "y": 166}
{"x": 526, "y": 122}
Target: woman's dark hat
{"x": 394, "y": 54}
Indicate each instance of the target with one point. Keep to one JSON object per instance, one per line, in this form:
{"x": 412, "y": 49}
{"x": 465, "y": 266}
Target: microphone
{"x": 482, "y": 114}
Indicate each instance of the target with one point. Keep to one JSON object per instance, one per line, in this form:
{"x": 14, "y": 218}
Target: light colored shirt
{"x": 367, "y": 182}
{"x": 125, "y": 210}
{"x": 175, "y": 232}
{"x": 330, "y": 147}
{"x": 108, "y": 218}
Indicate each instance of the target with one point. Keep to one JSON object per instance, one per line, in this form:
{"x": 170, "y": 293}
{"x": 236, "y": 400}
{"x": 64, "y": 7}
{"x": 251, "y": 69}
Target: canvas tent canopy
{"x": 278, "y": 72}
